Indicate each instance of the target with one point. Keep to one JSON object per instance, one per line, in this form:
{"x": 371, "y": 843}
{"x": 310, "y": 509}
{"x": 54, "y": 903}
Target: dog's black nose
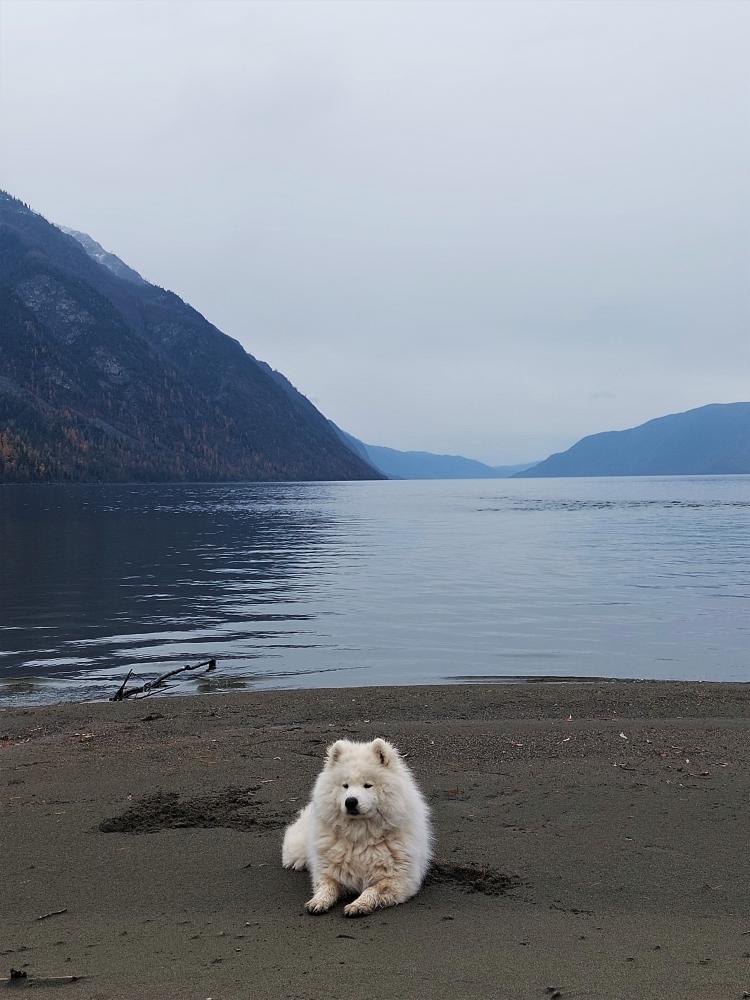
{"x": 351, "y": 804}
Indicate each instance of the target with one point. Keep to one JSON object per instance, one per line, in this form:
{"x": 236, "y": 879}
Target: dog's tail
{"x": 294, "y": 848}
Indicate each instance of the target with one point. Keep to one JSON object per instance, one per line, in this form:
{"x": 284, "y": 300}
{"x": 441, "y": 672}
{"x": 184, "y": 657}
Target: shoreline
{"x": 590, "y": 837}
{"x": 225, "y": 685}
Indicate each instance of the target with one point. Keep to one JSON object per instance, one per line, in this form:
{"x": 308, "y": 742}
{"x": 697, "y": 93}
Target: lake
{"x": 338, "y": 584}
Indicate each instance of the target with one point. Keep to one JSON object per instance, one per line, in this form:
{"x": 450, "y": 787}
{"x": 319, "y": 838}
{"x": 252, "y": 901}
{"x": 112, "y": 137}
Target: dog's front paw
{"x": 357, "y": 909}
{"x": 318, "y": 904}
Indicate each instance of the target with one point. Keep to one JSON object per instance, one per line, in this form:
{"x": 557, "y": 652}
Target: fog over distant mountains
{"x": 425, "y": 465}
{"x": 707, "y": 441}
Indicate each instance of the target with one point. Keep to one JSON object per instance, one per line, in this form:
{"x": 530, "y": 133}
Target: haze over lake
{"x": 334, "y": 584}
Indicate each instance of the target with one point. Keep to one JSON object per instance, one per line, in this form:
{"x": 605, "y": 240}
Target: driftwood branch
{"x": 145, "y": 689}
{"x": 21, "y": 978}
{"x": 120, "y": 693}
{"x": 53, "y": 913}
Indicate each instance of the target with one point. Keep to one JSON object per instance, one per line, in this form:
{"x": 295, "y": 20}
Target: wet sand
{"x": 601, "y": 855}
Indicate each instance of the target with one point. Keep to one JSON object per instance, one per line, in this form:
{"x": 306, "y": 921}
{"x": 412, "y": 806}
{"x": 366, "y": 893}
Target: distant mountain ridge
{"x": 106, "y": 377}
{"x": 426, "y": 465}
{"x": 709, "y": 440}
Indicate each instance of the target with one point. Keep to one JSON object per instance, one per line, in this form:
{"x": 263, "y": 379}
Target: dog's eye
{"x": 367, "y": 786}
{"x": 346, "y": 786}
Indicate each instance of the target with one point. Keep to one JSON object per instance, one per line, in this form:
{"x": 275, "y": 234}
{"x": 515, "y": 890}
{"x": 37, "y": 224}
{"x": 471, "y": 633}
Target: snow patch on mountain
{"x": 103, "y": 257}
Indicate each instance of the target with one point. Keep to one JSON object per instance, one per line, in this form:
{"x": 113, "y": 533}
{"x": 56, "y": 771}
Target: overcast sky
{"x": 478, "y": 228}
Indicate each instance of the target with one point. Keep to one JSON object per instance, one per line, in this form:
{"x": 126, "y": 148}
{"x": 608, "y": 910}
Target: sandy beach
{"x": 591, "y": 840}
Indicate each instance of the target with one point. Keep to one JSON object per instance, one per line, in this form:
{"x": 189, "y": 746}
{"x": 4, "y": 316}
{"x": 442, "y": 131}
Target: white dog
{"x": 365, "y": 830}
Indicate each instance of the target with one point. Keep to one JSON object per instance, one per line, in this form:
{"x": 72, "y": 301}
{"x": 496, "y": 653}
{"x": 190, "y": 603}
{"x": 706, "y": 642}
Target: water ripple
{"x": 358, "y": 583}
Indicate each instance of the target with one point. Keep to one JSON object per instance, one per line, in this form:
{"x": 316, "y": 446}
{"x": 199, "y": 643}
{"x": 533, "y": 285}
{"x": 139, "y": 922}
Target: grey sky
{"x": 480, "y": 228}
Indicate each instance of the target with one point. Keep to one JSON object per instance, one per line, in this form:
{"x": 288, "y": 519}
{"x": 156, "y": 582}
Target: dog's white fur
{"x": 383, "y": 851}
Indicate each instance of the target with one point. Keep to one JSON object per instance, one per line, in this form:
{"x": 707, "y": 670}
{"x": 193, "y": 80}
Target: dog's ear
{"x": 334, "y": 752}
{"x": 384, "y": 751}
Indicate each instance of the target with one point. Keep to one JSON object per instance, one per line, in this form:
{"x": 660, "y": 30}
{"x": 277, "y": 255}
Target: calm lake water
{"x": 332, "y": 584}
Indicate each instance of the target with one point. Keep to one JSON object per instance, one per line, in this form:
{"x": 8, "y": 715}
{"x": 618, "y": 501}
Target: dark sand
{"x": 568, "y": 856}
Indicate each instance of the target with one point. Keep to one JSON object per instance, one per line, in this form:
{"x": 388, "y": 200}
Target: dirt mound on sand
{"x": 471, "y": 878}
{"x": 235, "y": 808}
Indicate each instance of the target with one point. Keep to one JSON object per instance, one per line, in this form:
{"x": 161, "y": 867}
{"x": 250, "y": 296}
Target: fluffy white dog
{"x": 365, "y": 830}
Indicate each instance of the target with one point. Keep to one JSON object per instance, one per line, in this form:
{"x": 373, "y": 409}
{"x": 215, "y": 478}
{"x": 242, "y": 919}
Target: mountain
{"x": 97, "y": 252}
{"x": 710, "y": 440}
{"x": 424, "y": 464}
{"x": 105, "y": 377}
